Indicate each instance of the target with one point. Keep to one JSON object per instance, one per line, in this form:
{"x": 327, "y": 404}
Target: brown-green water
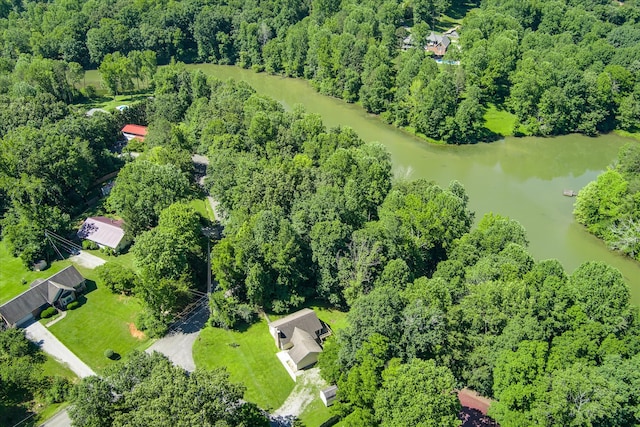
{"x": 522, "y": 178}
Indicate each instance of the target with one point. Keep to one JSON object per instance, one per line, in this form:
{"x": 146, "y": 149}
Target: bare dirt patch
{"x": 135, "y": 332}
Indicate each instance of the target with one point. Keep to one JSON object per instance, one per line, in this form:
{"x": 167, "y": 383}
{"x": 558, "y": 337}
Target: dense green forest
{"x": 610, "y": 205}
{"x": 313, "y": 213}
{"x": 559, "y": 66}
{"x": 148, "y": 390}
{"x": 23, "y": 378}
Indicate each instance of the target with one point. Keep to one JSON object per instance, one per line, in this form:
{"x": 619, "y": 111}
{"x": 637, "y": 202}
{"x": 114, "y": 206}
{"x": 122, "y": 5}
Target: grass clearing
{"x": 250, "y": 358}
{"x": 203, "y": 207}
{"x": 108, "y": 102}
{"x": 101, "y": 322}
{"x": 13, "y": 273}
{"x": 501, "y": 122}
{"x": 315, "y": 414}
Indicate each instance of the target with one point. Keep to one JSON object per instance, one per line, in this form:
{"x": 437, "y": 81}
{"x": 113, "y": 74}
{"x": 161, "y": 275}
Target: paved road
{"x": 61, "y": 419}
{"x": 37, "y": 333}
{"x": 178, "y": 344}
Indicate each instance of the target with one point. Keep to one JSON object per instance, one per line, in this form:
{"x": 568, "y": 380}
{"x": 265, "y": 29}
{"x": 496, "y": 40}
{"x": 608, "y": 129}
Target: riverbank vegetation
{"x": 559, "y": 67}
{"x": 610, "y": 205}
{"x": 313, "y": 213}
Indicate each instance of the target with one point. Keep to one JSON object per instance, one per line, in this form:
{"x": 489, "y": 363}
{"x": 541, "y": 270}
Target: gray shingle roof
{"x": 303, "y": 345}
{"x": 41, "y": 292}
{"x": 304, "y": 319}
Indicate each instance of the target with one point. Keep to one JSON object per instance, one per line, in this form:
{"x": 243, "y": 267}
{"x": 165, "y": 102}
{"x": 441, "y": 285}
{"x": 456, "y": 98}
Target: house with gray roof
{"x": 301, "y": 333}
{"x": 57, "y": 291}
{"x": 437, "y": 44}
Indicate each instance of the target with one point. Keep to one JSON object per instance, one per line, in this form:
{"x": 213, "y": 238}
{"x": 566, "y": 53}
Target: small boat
{"x": 569, "y": 193}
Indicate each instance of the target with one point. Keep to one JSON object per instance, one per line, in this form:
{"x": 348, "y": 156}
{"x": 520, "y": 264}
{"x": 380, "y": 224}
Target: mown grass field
{"x": 250, "y": 358}
{"x": 106, "y": 101}
{"x": 13, "y": 272}
{"x": 203, "y": 208}
{"x": 102, "y": 321}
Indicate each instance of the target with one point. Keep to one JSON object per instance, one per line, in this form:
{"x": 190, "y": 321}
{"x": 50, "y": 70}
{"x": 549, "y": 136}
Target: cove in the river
{"x": 522, "y": 178}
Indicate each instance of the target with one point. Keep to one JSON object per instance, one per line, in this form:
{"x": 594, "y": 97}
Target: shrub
{"x": 109, "y": 353}
{"x": 90, "y": 92}
{"x": 116, "y": 277}
{"x": 89, "y": 245}
{"x": 73, "y": 305}
{"x": 151, "y": 323}
{"x": 58, "y": 391}
{"x": 48, "y": 312}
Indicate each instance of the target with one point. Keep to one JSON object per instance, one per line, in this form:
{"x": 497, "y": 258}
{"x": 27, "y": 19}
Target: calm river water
{"x": 522, "y": 178}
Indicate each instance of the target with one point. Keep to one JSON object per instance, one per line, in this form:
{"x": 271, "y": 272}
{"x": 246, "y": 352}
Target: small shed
{"x": 328, "y": 395}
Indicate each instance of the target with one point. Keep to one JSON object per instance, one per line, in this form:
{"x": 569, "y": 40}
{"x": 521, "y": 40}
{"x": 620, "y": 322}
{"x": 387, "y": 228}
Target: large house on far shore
{"x": 437, "y": 44}
{"x": 57, "y": 291}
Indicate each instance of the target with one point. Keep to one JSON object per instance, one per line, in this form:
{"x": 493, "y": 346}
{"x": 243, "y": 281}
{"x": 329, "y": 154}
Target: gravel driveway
{"x": 37, "y": 333}
{"x": 87, "y": 260}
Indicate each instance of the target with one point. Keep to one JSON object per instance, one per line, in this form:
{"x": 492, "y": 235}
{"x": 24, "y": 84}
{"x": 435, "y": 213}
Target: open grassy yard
{"x": 499, "y": 121}
{"x": 250, "y": 358}
{"x": 102, "y": 321}
{"x": 13, "y": 272}
{"x": 315, "y": 414}
{"x": 106, "y": 101}
{"x": 125, "y": 259}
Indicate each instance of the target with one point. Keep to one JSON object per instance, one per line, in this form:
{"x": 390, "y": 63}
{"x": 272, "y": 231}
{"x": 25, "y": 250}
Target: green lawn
{"x": 126, "y": 260}
{"x": 105, "y": 101}
{"x": 101, "y": 322}
{"x": 499, "y": 121}
{"x": 315, "y": 414}
{"x": 13, "y": 272}
{"x": 54, "y": 368}
{"x": 250, "y": 358}
{"x": 203, "y": 207}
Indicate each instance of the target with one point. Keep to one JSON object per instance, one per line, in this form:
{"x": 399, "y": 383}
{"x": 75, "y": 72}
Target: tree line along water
{"x": 523, "y": 178}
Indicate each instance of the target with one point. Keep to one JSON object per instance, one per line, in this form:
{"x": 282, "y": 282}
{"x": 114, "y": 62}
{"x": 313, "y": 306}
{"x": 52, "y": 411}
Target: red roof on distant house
{"x": 135, "y": 130}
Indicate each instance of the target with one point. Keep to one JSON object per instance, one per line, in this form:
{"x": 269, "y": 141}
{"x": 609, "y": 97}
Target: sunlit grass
{"x": 13, "y": 273}
{"x": 250, "y": 357}
{"x": 501, "y": 122}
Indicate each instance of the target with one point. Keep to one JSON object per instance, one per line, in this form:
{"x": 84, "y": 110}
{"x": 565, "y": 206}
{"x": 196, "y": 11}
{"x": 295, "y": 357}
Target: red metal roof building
{"x": 134, "y": 131}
